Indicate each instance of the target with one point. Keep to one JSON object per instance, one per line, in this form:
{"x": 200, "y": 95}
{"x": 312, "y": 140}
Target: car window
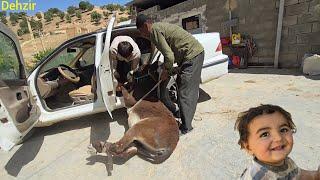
{"x": 65, "y": 57}
{"x": 88, "y": 57}
{"x": 9, "y": 60}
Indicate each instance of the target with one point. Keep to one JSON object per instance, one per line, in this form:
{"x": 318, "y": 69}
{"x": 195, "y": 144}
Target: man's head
{"x": 266, "y": 133}
{"x": 144, "y": 24}
{"x": 125, "y": 49}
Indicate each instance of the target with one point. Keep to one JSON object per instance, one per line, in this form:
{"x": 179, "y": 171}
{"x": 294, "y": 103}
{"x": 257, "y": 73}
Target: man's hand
{"x": 164, "y": 74}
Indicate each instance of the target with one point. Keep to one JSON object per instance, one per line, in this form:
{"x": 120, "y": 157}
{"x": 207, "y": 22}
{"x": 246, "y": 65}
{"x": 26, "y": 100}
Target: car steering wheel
{"x": 68, "y": 73}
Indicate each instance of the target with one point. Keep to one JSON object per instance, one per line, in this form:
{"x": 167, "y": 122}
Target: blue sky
{"x": 43, "y": 5}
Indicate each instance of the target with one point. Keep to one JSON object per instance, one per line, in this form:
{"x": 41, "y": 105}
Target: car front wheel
{"x": 169, "y": 95}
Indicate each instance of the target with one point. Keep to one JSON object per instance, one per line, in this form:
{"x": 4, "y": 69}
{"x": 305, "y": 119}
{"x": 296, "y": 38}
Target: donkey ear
{"x": 129, "y": 100}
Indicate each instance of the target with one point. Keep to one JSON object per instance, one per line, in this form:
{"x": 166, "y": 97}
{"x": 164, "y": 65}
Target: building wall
{"x": 258, "y": 18}
{"x": 176, "y": 13}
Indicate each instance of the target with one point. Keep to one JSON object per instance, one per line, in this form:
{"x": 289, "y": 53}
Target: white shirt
{"x": 115, "y": 56}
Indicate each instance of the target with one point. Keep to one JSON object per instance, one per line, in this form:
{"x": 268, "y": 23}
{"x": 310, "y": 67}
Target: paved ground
{"x": 208, "y": 152}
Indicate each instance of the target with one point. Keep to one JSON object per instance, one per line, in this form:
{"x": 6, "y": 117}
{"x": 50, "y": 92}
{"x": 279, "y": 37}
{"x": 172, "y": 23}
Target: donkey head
{"x": 129, "y": 100}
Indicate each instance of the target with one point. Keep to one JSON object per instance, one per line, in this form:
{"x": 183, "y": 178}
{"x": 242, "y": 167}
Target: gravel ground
{"x": 210, "y": 151}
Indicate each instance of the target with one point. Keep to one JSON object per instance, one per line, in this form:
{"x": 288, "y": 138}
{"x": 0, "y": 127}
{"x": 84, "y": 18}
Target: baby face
{"x": 270, "y": 138}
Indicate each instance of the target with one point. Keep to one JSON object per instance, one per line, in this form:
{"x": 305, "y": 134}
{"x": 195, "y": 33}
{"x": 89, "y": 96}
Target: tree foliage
{"x": 14, "y": 18}
{"x": 23, "y": 27}
{"x": 112, "y": 7}
{"x": 105, "y": 14}
{"x": 95, "y": 17}
{"x": 68, "y": 18}
{"x": 85, "y": 5}
{"x": 48, "y": 16}
{"x": 61, "y": 15}
{"x": 8, "y": 58}
{"x": 54, "y": 11}
{"x": 3, "y": 13}
{"x": 71, "y": 10}
{"x": 4, "y": 20}
{"x": 36, "y": 25}
{"x": 123, "y": 19}
{"x": 22, "y": 14}
{"x": 39, "y": 16}
{"x": 78, "y": 14}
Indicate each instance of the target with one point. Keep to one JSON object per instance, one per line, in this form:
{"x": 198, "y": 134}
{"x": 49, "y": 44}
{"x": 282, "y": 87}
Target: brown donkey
{"x": 153, "y": 132}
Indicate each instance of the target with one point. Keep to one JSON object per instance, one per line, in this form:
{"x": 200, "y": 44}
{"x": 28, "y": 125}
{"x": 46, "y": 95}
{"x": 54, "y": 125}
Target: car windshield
{"x": 65, "y": 57}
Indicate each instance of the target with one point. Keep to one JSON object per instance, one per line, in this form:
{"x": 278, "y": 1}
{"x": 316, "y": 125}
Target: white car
{"x": 36, "y": 100}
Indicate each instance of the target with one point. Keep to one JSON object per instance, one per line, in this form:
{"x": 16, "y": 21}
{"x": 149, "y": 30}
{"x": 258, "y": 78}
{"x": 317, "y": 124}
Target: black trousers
{"x": 188, "y": 88}
{"x": 123, "y": 68}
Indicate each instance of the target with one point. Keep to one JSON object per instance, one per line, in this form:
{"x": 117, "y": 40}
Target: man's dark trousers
{"x": 188, "y": 88}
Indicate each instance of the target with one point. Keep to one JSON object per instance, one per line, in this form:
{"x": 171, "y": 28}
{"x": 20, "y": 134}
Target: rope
{"x": 145, "y": 95}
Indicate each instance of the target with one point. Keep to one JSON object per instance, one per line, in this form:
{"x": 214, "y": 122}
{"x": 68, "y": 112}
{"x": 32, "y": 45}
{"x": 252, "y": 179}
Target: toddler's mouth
{"x": 278, "y": 148}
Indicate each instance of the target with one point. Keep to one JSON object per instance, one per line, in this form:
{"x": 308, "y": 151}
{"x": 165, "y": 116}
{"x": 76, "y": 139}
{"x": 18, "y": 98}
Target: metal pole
{"x": 278, "y": 40}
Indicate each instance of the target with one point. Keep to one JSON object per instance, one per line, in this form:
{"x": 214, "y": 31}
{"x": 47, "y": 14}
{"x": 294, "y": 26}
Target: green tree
{"x": 90, "y": 8}
{"x": 123, "y": 19}
{"x": 23, "y": 27}
{"x": 39, "y": 16}
{"x": 83, "y": 5}
{"x": 71, "y": 10}
{"x": 61, "y": 15}
{"x": 3, "y": 13}
{"x": 122, "y": 8}
{"x": 23, "y": 23}
{"x": 68, "y": 18}
{"x": 111, "y": 7}
{"x": 4, "y": 20}
{"x": 8, "y": 60}
{"x": 53, "y": 11}
{"x": 40, "y": 55}
{"x": 95, "y": 17}
{"x": 78, "y": 14}
{"x": 36, "y": 25}
{"x": 22, "y": 14}
{"x": 14, "y": 17}
{"x": 48, "y": 16}
{"x": 105, "y": 14}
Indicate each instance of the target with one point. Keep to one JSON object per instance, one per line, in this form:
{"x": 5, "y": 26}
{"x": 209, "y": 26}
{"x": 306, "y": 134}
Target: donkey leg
{"x": 125, "y": 142}
{"x": 128, "y": 153}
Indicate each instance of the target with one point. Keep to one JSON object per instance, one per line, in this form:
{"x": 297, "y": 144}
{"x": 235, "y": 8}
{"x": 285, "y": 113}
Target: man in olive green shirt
{"x": 177, "y": 46}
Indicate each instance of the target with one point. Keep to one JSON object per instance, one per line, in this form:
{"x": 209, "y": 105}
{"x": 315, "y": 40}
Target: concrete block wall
{"x": 176, "y": 13}
{"x": 259, "y": 18}
{"x": 301, "y": 32}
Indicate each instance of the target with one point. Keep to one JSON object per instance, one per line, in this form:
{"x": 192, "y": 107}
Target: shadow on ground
{"x": 294, "y": 72}
{"x": 100, "y": 131}
{"x": 203, "y": 96}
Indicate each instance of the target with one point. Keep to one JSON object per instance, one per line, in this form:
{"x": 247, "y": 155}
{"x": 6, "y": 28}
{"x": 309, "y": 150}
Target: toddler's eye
{"x": 265, "y": 134}
{"x": 284, "y": 130}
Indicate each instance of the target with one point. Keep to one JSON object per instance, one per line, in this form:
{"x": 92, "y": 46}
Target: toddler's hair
{"x": 246, "y": 117}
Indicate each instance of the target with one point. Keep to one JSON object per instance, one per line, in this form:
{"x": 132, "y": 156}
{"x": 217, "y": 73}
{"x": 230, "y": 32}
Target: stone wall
{"x": 258, "y": 18}
{"x": 176, "y": 13}
{"x": 301, "y": 31}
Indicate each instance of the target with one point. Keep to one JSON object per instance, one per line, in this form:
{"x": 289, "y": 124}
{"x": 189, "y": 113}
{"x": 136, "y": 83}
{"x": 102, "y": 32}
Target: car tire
{"x": 169, "y": 94}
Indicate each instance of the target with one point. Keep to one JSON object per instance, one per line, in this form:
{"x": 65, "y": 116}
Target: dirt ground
{"x": 210, "y": 151}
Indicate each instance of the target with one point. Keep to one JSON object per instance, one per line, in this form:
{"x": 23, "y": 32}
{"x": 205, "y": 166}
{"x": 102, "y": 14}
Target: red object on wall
{"x": 236, "y": 61}
{"x": 225, "y": 41}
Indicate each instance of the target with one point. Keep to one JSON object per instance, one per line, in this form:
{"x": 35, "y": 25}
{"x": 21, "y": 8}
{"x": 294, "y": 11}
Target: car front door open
{"x": 18, "y": 112}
